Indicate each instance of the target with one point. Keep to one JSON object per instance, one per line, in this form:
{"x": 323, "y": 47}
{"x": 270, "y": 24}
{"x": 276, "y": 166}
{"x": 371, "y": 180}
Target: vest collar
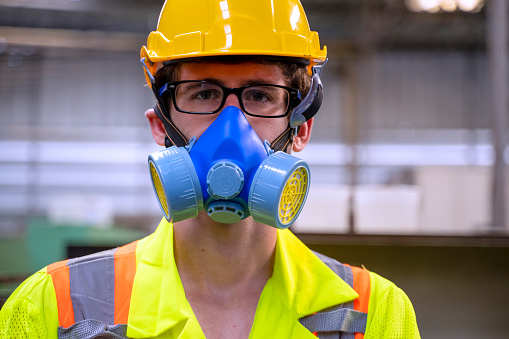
{"x": 301, "y": 284}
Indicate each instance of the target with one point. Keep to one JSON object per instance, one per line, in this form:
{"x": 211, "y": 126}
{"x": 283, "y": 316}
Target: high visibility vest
{"x": 94, "y": 292}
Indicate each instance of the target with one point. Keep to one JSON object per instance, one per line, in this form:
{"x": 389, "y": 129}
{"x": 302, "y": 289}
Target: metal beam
{"x": 74, "y": 39}
{"x": 498, "y": 56}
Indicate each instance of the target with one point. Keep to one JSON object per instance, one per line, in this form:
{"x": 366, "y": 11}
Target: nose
{"x": 232, "y": 100}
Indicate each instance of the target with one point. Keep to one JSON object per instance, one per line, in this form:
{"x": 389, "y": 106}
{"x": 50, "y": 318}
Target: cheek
{"x": 192, "y": 125}
{"x": 268, "y": 129}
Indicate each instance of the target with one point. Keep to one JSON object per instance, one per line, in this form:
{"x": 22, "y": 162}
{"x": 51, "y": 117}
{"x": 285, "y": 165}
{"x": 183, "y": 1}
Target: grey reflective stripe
{"x": 330, "y": 335}
{"x": 342, "y": 320}
{"x": 88, "y": 329}
{"x": 92, "y": 280}
{"x": 344, "y": 272}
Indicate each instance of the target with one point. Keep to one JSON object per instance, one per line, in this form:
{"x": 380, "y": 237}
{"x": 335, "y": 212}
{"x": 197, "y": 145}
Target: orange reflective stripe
{"x": 361, "y": 285}
{"x": 125, "y": 269}
{"x": 59, "y": 272}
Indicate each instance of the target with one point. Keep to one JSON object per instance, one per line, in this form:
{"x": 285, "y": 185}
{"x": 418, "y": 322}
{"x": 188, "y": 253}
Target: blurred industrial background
{"x": 408, "y": 153}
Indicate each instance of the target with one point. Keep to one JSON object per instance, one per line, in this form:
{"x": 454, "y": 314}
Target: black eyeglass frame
{"x": 293, "y": 100}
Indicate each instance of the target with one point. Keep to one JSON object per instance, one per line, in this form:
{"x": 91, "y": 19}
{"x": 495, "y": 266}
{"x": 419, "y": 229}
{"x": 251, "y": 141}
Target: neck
{"x": 223, "y": 260}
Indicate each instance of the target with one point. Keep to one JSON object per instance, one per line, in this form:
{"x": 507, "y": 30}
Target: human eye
{"x": 201, "y": 91}
{"x": 198, "y": 91}
{"x": 259, "y": 95}
{"x": 198, "y": 97}
{"x": 265, "y": 100}
{"x": 206, "y": 94}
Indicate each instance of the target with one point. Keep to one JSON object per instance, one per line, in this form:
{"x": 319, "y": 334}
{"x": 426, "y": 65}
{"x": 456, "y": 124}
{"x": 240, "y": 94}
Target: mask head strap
{"x": 285, "y": 139}
{"x": 173, "y": 135}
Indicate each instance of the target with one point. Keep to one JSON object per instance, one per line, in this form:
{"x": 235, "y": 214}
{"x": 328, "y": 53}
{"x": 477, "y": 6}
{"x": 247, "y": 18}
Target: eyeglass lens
{"x": 203, "y": 97}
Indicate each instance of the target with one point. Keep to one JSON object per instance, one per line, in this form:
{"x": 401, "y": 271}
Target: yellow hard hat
{"x": 200, "y": 28}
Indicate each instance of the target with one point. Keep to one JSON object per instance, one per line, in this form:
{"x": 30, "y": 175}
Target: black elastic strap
{"x": 285, "y": 139}
{"x": 173, "y": 135}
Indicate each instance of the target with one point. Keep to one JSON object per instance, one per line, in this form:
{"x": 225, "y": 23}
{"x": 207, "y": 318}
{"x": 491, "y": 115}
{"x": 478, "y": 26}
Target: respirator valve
{"x": 225, "y": 180}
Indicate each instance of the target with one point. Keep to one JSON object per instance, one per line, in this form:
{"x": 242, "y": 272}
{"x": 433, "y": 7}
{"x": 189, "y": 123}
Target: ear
{"x": 156, "y": 126}
{"x": 302, "y": 138}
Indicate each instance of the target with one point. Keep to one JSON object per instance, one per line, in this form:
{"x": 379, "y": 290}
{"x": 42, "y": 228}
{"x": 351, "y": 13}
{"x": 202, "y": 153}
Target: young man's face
{"x": 230, "y": 75}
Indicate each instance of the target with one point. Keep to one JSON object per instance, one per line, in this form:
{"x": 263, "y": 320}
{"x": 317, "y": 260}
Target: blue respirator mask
{"x": 230, "y": 173}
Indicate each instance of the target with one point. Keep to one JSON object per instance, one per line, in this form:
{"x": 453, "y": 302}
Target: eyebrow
{"x": 250, "y": 82}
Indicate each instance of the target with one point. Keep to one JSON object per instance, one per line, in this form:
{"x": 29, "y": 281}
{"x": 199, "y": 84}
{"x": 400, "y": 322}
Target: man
{"x": 237, "y": 85}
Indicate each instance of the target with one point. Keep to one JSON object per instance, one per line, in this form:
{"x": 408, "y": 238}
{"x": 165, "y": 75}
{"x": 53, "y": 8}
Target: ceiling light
{"x": 470, "y": 5}
{"x": 448, "y": 5}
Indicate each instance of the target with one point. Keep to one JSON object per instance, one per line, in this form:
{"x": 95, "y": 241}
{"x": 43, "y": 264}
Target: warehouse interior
{"x": 408, "y": 153}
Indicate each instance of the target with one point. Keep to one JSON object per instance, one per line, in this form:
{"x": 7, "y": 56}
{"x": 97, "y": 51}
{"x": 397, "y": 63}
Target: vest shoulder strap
{"x": 346, "y": 321}
{"x": 94, "y": 288}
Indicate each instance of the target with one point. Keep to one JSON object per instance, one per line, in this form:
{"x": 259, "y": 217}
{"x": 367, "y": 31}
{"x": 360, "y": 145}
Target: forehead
{"x": 232, "y": 74}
